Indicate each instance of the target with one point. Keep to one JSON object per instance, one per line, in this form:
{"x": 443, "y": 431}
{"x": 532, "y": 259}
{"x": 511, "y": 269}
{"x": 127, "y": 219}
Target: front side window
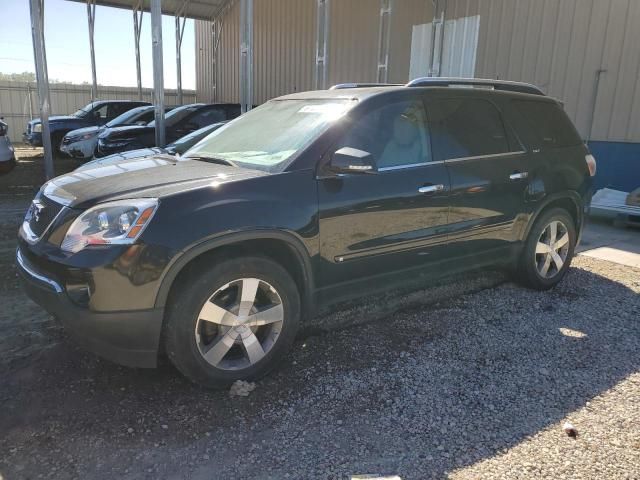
{"x": 131, "y": 116}
{"x": 100, "y": 113}
{"x": 176, "y": 115}
{"x": 267, "y": 137}
{"x": 395, "y": 134}
{"x": 466, "y": 127}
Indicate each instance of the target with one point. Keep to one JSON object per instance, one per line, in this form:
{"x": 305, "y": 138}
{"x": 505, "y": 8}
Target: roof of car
{"x": 342, "y": 93}
{"x": 362, "y": 93}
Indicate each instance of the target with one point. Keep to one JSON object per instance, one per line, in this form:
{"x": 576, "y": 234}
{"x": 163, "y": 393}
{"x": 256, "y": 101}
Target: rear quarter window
{"x": 549, "y": 123}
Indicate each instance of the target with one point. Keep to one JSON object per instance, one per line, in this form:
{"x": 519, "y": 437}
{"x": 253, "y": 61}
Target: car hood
{"x": 119, "y": 157}
{"x": 154, "y": 176}
{"x": 125, "y": 131}
{"x": 83, "y": 131}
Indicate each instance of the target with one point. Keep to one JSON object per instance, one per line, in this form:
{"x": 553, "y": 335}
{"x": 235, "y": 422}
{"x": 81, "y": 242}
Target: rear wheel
{"x": 234, "y": 321}
{"x": 548, "y": 250}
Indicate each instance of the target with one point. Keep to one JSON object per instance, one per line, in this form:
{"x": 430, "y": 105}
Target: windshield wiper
{"x": 221, "y": 161}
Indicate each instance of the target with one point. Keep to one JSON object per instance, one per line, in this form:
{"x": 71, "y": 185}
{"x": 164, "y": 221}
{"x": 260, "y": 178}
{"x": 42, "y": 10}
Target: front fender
{"x": 181, "y": 260}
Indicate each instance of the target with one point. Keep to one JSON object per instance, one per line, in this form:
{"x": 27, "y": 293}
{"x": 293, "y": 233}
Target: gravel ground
{"x": 471, "y": 379}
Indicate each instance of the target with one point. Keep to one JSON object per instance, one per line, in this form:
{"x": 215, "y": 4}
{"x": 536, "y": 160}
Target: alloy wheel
{"x": 239, "y": 324}
{"x": 552, "y": 249}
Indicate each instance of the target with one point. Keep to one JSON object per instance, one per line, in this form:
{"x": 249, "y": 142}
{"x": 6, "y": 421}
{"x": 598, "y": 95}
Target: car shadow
{"x": 417, "y": 393}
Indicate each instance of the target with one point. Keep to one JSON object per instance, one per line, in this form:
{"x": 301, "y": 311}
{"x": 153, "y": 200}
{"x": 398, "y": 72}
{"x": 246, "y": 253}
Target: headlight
{"x": 37, "y": 128}
{"x": 79, "y": 138}
{"x": 120, "y": 222}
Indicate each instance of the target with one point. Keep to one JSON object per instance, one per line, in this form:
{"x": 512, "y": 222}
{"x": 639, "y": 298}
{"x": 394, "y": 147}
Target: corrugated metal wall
{"x": 18, "y": 100}
{"x": 556, "y": 44}
{"x": 284, "y": 46}
{"x": 560, "y": 45}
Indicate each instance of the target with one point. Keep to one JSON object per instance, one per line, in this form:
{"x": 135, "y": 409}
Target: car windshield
{"x": 84, "y": 110}
{"x": 268, "y": 136}
{"x": 128, "y": 117}
{"x": 177, "y": 114}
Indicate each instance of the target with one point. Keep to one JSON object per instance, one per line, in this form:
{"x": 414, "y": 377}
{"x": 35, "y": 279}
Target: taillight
{"x": 591, "y": 164}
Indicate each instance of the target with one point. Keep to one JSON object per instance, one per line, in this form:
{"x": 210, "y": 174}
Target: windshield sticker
{"x": 324, "y": 108}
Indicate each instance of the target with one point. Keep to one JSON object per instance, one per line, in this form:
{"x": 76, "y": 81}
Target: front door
{"x": 487, "y": 168}
{"x": 391, "y": 220}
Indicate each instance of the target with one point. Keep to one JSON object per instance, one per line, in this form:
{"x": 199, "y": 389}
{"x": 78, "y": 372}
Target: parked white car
{"x": 81, "y": 143}
{"x": 7, "y": 153}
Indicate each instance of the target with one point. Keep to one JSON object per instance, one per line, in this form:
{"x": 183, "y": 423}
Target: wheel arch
{"x": 282, "y": 247}
{"x": 569, "y": 201}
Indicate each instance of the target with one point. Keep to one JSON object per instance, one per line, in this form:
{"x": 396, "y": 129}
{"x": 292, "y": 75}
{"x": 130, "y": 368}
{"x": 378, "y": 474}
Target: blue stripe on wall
{"x": 618, "y": 165}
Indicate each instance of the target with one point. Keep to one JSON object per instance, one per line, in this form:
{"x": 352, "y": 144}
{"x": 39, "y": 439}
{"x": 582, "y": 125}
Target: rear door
{"x": 486, "y": 164}
{"x": 391, "y": 220}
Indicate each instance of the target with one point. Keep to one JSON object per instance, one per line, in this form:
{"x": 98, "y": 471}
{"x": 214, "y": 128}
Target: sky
{"x": 67, "y": 44}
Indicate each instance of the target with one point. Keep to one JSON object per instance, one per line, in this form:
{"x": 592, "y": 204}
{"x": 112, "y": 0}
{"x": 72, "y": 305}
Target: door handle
{"x": 518, "y": 175}
{"x": 431, "y": 188}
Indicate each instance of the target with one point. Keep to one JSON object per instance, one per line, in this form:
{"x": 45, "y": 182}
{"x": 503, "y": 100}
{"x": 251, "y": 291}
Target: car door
{"x": 486, "y": 165}
{"x": 390, "y": 220}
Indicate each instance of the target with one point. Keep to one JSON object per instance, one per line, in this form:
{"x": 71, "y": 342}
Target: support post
{"x": 91, "y": 18}
{"x": 137, "y": 29}
{"x": 437, "y": 43}
{"x": 42, "y": 77}
{"x": 322, "y": 43}
{"x": 158, "y": 76}
{"x": 384, "y": 38}
{"x": 179, "y": 35}
{"x": 246, "y": 55}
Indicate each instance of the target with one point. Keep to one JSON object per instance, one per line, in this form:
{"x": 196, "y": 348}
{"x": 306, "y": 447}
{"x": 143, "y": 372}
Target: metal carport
{"x": 210, "y": 10}
{"x": 181, "y": 10}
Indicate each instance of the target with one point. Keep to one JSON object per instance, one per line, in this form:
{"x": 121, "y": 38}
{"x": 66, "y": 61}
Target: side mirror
{"x": 141, "y": 122}
{"x": 352, "y": 160}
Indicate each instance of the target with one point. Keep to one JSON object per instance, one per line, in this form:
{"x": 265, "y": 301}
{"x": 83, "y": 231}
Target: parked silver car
{"x": 81, "y": 143}
{"x": 7, "y": 153}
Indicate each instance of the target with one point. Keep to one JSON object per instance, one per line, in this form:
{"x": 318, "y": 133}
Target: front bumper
{"x": 33, "y": 139}
{"x": 129, "y": 338}
{"x": 82, "y": 150}
{"x": 104, "y": 149}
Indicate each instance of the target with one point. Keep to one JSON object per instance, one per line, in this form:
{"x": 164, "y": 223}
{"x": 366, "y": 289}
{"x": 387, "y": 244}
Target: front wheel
{"x": 548, "y": 250}
{"x": 233, "y": 321}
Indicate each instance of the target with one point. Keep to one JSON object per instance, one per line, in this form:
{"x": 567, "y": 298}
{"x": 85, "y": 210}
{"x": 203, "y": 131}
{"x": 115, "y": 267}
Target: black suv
{"x": 94, "y": 114}
{"x": 179, "y": 122}
{"x": 217, "y": 257}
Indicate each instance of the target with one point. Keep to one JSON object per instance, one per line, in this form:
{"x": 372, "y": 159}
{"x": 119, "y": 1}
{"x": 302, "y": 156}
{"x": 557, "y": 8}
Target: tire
{"x": 56, "y": 139}
{"x": 535, "y": 256}
{"x": 197, "y": 346}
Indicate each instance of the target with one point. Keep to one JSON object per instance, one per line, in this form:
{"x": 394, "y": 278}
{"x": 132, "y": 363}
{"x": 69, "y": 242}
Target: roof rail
{"x": 340, "y": 86}
{"x": 505, "y": 85}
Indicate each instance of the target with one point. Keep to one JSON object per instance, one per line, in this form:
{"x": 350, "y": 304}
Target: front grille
{"x": 41, "y": 213}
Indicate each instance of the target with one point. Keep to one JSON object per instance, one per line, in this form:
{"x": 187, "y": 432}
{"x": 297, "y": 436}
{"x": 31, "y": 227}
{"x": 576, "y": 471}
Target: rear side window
{"x": 466, "y": 127}
{"x": 549, "y": 122}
